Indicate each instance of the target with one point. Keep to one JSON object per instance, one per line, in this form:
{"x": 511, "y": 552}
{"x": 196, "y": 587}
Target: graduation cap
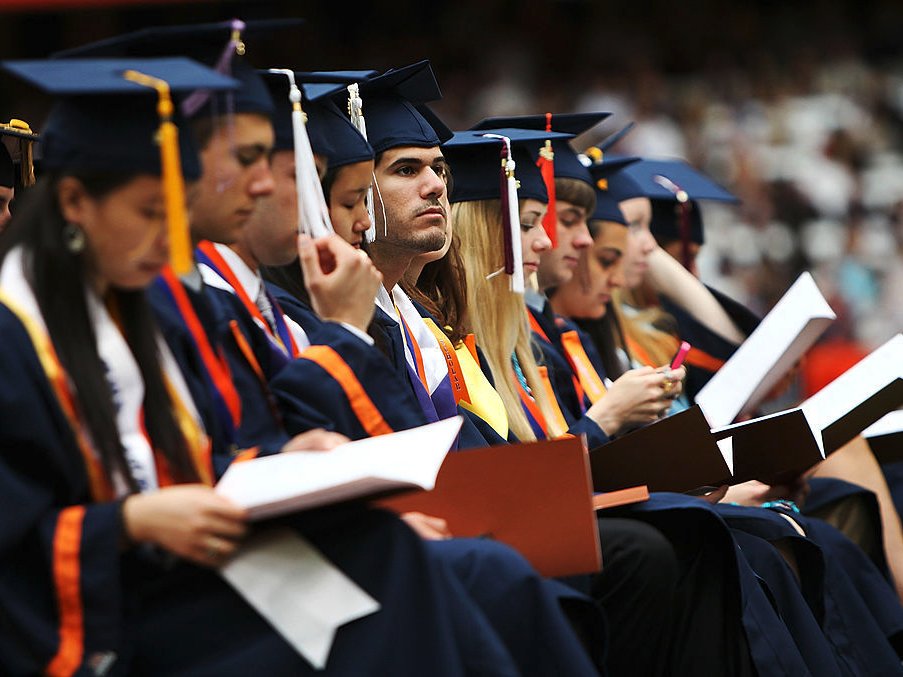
{"x": 676, "y": 183}
{"x": 329, "y": 129}
{"x": 603, "y": 171}
{"x": 676, "y": 180}
{"x": 498, "y": 164}
{"x": 566, "y": 163}
{"x": 117, "y": 115}
{"x": 474, "y": 161}
{"x": 391, "y": 104}
{"x": 16, "y": 149}
{"x": 220, "y": 45}
{"x": 556, "y": 159}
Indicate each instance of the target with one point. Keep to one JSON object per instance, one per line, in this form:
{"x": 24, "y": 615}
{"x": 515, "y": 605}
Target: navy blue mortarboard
{"x": 673, "y": 186}
{"x": 621, "y": 186}
{"x": 103, "y": 122}
{"x": 330, "y": 131}
{"x": 118, "y": 115}
{"x": 474, "y": 160}
{"x": 567, "y": 164}
{"x": 220, "y": 45}
{"x": 603, "y": 172}
{"x": 676, "y": 180}
{"x": 667, "y": 218}
{"x": 497, "y": 164}
{"x": 393, "y": 111}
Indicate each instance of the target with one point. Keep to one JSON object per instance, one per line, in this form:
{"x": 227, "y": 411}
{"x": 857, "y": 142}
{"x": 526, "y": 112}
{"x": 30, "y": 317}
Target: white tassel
{"x": 517, "y": 277}
{"x": 313, "y": 215}
{"x": 356, "y": 114}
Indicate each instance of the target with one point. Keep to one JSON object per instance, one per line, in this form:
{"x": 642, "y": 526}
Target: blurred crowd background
{"x": 796, "y": 106}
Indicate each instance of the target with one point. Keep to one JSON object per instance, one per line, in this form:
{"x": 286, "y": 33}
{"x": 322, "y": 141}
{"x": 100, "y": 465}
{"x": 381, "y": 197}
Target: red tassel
{"x": 683, "y": 218}
{"x": 546, "y": 164}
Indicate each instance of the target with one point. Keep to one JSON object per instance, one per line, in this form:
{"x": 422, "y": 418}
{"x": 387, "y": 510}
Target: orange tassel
{"x": 180, "y": 250}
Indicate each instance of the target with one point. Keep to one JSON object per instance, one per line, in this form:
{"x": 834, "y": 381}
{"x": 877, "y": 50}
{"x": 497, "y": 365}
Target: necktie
{"x": 266, "y": 308}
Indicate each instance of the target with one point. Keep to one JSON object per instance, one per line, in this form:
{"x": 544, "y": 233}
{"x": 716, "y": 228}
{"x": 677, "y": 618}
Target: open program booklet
{"x": 295, "y": 481}
{"x": 776, "y": 446}
{"x": 783, "y": 336}
{"x": 684, "y": 451}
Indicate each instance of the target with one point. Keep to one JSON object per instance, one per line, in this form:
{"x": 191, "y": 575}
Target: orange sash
{"x": 589, "y": 378}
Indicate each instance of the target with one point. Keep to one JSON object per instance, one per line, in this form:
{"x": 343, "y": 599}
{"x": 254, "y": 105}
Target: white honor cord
{"x": 313, "y": 215}
{"x": 356, "y": 114}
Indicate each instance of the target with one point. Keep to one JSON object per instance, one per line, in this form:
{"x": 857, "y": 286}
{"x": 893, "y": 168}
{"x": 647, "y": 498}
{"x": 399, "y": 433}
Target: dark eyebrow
{"x": 439, "y": 159}
{"x": 574, "y": 210}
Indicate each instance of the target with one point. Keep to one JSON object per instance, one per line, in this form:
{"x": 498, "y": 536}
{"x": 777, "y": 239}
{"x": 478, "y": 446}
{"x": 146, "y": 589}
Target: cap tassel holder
{"x": 193, "y": 103}
{"x": 313, "y": 214}
{"x": 514, "y": 258}
{"x": 683, "y": 216}
{"x": 356, "y": 114}
{"x": 546, "y": 164}
{"x": 180, "y": 251}
{"x": 26, "y": 151}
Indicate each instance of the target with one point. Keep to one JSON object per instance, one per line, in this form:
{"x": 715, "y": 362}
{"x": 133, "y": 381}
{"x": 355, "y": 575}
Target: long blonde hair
{"x": 649, "y": 330}
{"x": 497, "y": 316}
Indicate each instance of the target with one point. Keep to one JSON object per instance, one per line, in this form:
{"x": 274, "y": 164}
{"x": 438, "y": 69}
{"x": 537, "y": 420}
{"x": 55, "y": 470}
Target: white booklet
{"x": 889, "y": 424}
{"x": 773, "y": 449}
{"x": 780, "y": 340}
{"x": 859, "y": 397}
{"x": 885, "y": 437}
{"x": 781, "y": 445}
{"x": 290, "y": 482}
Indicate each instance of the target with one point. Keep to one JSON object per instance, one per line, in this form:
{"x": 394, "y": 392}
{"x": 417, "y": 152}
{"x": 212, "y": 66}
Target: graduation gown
{"x": 73, "y": 602}
{"x": 568, "y": 393}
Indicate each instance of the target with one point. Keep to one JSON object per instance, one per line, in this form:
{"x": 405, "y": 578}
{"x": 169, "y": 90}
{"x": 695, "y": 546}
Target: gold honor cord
{"x": 180, "y": 254}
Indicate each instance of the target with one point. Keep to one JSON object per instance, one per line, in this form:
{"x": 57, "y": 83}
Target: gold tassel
{"x": 180, "y": 251}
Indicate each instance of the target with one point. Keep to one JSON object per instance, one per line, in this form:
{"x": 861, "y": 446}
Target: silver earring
{"x": 73, "y": 238}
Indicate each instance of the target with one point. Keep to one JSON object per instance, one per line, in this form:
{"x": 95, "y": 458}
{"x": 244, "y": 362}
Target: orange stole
{"x": 364, "y": 409}
{"x": 580, "y": 363}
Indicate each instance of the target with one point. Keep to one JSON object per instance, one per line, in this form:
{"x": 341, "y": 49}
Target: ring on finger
{"x": 212, "y": 553}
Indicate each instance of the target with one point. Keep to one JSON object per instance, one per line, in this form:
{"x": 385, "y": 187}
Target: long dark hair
{"x": 608, "y": 338}
{"x": 442, "y": 290}
{"x": 58, "y": 279}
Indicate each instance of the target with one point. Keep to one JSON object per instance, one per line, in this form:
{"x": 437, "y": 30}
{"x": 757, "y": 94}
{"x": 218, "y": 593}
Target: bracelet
{"x": 784, "y": 503}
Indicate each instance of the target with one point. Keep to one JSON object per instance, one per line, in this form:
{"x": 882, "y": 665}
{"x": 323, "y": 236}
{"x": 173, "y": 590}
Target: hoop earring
{"x": 73, "y": 238}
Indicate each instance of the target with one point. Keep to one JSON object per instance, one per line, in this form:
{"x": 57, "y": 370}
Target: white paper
{"x": 783, "y": 336}
{"x": 889, "y": 424}
{"x": 868, "y": 376}
{"x": 726, "y": 446}
{"x": 273, "y": 485}
{"x": 297, "y": 590}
